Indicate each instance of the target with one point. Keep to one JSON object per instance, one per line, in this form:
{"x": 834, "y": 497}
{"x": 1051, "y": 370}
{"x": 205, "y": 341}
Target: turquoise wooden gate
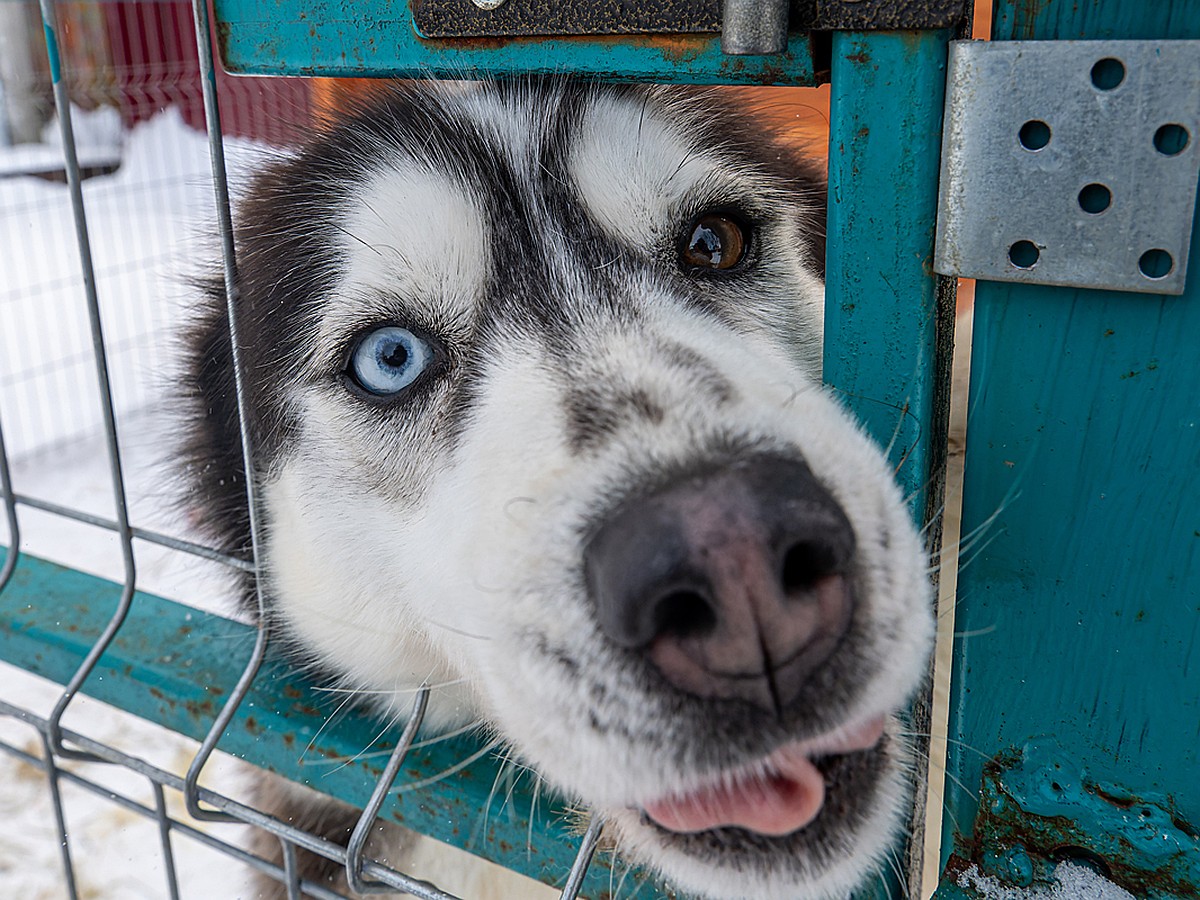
{"x": 1076, "y": 698}
{"x": 1078, "y": 618}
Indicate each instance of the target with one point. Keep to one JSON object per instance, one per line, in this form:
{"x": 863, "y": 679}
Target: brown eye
{"x": 716, "y": 242}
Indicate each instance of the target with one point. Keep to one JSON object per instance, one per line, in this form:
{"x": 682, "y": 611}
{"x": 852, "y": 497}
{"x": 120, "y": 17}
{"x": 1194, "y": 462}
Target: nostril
{"x": 684, "y": 613}
{"x": 806, "y": 563}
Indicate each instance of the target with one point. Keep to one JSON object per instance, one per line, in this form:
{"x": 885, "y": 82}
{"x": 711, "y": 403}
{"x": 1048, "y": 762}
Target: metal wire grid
{"x": 364, "y": 875}
{"x": 151, "y": 66}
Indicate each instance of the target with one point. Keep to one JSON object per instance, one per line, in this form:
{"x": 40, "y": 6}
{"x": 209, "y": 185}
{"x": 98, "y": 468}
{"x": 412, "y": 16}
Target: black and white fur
{"x": 532, "y": 231}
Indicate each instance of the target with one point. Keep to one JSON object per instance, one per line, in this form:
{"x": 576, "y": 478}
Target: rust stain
{"x": 676, "y": 48}
{"x": 224, "y": 34}
{"x": 1025, "y": 21}
{"x": 202, "y": 710}
{"x": 1123, "y": 802}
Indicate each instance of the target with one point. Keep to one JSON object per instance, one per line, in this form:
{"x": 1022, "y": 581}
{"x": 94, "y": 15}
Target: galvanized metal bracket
{"x": 1038, "y": 808}
{"x": 561, "y": 18}
{"x": 1070, "y": 163}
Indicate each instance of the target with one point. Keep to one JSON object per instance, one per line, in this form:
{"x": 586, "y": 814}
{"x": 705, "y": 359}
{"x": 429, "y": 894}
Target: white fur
{"x": 450, "y": 567}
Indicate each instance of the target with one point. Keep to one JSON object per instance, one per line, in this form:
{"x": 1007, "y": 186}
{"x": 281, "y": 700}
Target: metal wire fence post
{"x": 212, "y": 115}
{"x": 366, "y": 821}
{"x": 60, "y": 818}
{"x": 164, "y": 836}
{"x": 74, "y": 183}
{"x": 10, "y": 514}
{"x": 583, "y": 860}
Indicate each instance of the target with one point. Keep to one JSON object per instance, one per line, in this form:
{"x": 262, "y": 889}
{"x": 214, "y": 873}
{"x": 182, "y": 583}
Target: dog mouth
{"x": 780, "y": 794}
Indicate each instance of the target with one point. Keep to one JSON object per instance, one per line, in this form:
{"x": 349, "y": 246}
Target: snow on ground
{"x": 1072, "y": 881}
{"x": 98, "y": 138}
{"x": 143, "y": 222}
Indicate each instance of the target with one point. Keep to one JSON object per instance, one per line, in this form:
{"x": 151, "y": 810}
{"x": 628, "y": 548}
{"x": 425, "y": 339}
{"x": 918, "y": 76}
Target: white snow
{"x": 1072, "y": 881}
{"x": 98, "y": 138}
{"x": 144, "y": 222}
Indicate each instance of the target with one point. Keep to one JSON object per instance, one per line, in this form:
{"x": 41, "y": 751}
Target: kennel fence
{"x": 120, "y": 656}
{"x": 877, "y": 249}
{"x": 125, "y": 64}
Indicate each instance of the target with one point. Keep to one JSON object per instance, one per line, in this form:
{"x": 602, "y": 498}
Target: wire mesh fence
{"x": 104, "y": 208}
{"x": 105, "y": 191}
{"x": 132, "y": 75}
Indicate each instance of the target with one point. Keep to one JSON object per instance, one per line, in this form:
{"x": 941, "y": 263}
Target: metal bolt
{"x": 489, "y": 4}
{"x": 753, "y": 27}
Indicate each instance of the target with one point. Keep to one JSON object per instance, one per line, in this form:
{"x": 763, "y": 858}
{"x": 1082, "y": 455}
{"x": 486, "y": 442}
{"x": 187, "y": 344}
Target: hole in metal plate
{"x": 1024, "y": 254}
{"x": 1171, "y": 139}
{"x": 1034, "y": 134}
{"x": 1095, "y": 199}
{"x": 1156, "y": 263}
{"x": 1108, "y": 73}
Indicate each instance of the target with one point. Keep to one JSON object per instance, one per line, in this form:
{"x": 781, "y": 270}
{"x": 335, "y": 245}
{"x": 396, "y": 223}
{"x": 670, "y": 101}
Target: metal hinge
{"x": 1070, "y": 163}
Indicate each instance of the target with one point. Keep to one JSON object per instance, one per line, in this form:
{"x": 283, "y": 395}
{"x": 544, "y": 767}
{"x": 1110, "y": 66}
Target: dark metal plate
{"x": 548, "y": 18}
{"x": 561, "y": 18}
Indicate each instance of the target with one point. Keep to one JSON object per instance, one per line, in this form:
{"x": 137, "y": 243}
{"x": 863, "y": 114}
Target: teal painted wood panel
{"x": 1079, "y": 605}
{"x": 376, "y": 38}
{"x": 881, "y": 296}
{"x": 174, "y": 665}
{"x": 882, "y": 300}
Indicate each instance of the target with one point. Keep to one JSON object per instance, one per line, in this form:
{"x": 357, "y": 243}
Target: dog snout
{"x": 733, "y": 583}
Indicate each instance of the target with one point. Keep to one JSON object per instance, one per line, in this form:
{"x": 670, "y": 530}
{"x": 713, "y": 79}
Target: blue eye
{"x": 388, "y": 360}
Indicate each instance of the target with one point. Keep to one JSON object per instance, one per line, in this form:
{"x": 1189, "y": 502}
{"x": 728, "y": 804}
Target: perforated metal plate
{"x": 1071, "y": 163}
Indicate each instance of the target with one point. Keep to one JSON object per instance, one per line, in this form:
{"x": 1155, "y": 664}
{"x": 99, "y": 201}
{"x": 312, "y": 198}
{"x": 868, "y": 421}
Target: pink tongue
{"x": 774, "y": 805}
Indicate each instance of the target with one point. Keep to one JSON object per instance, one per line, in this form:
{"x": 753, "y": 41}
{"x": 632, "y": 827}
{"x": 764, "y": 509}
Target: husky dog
{"x": 533, "y": 379}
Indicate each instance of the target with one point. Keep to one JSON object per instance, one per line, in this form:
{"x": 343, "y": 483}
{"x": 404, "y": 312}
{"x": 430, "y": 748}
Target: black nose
{"x": 733, "y": 583}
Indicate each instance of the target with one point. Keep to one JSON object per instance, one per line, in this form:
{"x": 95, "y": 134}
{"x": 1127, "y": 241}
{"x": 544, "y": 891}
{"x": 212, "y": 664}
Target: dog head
{"x": 533, "y": 375}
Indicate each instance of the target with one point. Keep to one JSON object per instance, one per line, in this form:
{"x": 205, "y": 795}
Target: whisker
{"x": 458, "y": 631}
{"x": 361, "y": 754}
{"x": 947, "y": 739}
{"x": 386, "y": 691}
{"x": 329, "y": 719}
{"x": 457, "y": 767}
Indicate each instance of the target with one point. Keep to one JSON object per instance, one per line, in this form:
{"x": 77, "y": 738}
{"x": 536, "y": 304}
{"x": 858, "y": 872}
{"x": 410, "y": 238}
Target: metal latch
{"x": 1070, "y": 163}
